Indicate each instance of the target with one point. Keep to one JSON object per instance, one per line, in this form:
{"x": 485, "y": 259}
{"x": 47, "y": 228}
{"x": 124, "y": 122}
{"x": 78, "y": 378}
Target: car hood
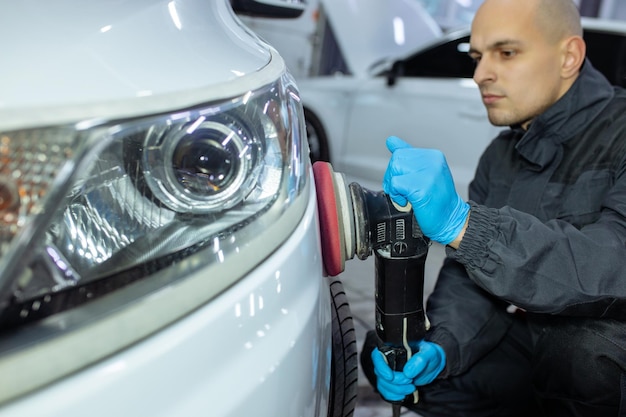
{"x": 73, "y": 55}
{"x": 370, "y": 31}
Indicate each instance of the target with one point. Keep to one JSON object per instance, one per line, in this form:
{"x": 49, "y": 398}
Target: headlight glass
{"x": 88, "y": 209}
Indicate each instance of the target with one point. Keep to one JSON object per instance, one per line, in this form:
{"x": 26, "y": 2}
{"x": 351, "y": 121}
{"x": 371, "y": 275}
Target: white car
{"x": 427, "y": 97}
{"x": 159, "y": 242}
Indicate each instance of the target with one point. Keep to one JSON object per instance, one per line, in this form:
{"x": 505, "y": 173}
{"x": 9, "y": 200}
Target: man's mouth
{"x": 490, "y": 98}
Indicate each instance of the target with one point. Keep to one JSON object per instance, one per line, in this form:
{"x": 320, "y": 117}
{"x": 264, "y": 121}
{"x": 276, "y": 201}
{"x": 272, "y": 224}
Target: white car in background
{"x": 355, "y": 94}
{"x": 426, "y": 97}
{"x": 159, "y": 243}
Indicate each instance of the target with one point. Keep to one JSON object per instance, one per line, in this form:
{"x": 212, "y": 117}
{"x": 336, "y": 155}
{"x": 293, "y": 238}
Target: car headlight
{"x": 90, "y": 209}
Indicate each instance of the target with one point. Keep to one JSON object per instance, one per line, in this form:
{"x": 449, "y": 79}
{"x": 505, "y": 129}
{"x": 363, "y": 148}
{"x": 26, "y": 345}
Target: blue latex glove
{"x": 421, "y": 369}
{"x": 422, "y": 177}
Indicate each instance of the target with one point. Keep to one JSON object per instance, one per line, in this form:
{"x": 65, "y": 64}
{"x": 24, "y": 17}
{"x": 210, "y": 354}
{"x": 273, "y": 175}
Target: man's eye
{"x": 508, "y": 53}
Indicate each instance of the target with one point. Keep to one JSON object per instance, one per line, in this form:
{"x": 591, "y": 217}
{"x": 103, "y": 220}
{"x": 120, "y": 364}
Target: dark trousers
{"x": 545, "y": 366}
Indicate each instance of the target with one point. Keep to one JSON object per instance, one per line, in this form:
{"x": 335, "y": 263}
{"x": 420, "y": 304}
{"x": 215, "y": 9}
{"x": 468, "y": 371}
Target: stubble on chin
{"x": 498, "y": 119}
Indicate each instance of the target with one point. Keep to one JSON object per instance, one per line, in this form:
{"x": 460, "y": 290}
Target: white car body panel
{"x": 360, "y": 114}
{"x": 112, "y": 81}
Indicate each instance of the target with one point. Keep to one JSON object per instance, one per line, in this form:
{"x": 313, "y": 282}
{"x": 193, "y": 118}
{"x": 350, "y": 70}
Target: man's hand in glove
{"x": 421, "y": 369}
{"x": 422, "y": 178}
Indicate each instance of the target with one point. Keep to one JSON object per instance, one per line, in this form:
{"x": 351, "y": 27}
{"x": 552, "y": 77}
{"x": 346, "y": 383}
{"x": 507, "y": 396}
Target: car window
{"x": 607, "y": 52}
{"x": 447, "y": 60}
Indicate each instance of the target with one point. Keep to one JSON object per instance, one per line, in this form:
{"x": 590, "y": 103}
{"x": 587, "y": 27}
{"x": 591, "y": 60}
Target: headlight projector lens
{"x": 206, "y": 163}
{"x": 208, "y": 166}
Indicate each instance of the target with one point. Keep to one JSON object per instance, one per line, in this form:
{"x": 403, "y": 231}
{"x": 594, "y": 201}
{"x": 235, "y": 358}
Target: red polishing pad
{"x": 332, "y": 252}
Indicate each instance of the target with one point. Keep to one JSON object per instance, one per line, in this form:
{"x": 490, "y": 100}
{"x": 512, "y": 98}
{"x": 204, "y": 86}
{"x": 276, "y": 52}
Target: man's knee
{"x": 580, "y": 359}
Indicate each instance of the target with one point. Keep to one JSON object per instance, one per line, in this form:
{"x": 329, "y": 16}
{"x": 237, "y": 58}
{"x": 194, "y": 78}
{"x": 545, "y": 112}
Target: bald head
{"x": 556, "y": 19}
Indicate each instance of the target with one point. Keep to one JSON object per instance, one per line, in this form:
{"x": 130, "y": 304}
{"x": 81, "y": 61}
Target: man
{"x": 529, "y": 311}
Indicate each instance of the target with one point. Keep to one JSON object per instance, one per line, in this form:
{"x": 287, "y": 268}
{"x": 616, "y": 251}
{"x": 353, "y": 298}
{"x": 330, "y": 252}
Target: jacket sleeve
{"x": 466, "y": 320}
{"x": 551, "y": 267}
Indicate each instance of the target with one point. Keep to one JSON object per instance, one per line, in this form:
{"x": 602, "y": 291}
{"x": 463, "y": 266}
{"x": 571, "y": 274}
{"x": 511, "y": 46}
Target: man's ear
{"x": 574, "y": 52}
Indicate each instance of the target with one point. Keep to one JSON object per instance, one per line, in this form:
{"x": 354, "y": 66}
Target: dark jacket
{"x": 547, "y": 227}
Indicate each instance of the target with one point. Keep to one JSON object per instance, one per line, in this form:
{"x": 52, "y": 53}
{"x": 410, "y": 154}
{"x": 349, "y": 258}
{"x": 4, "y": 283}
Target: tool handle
{"x": 400, "y": 318}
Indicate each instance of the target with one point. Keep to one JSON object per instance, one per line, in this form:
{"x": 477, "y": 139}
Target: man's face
{"x": 518, "y": 69}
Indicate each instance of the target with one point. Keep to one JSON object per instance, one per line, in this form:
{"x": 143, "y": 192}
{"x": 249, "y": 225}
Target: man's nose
{"x": 484, "y": 73}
